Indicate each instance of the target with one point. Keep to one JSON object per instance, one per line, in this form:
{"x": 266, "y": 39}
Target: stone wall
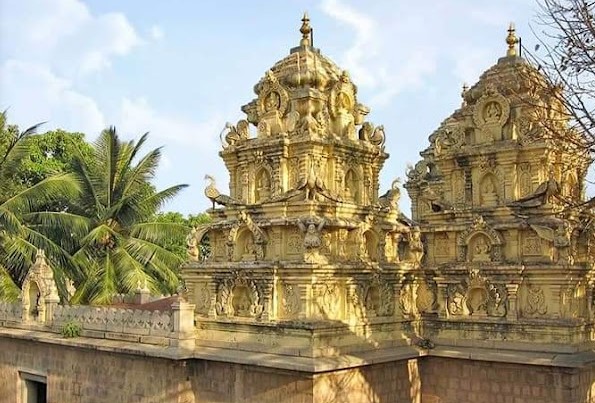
{"x": 90, "y": 375}
{"x": 397, "y": 381}
{"x": 448, "y": 380}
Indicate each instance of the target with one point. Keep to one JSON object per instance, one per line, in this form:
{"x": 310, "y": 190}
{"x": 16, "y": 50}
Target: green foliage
{"x": 122, "y": 244}
{"x": 178, "y": 245}
{"x": 70, "y": 330}
{"x": 24, "y": 217}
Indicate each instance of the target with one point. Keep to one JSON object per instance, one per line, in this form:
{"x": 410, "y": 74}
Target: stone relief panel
{"x": 425, "y": 300}
{"x": 476, "y": 296}
{"x": 533, "y": 299}
{"x": 290, "y": 302}
{"x": 531, "y": 244}
{"x": 328, "y": 299}
{"x": 490, "y": 114}
{"x": 202, "y": 297}
{"x": 374, "y": 297}
{"x": 573, "y": 303}
{"x": 443, "y": 246}
{"x": 239, "y": 295}
{"x": 525, "y": 180}
{"x": 479, "y": 243}
{"x": 458, "y": 187}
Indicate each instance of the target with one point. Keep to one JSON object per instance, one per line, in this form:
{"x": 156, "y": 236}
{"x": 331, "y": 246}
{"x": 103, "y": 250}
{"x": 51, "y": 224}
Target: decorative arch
{"x": 39, "y": 293}
{"x": 479, "y": 228}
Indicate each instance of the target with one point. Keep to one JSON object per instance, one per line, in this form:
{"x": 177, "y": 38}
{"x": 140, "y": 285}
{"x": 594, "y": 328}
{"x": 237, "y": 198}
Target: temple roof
{"x": 305, "y": 72}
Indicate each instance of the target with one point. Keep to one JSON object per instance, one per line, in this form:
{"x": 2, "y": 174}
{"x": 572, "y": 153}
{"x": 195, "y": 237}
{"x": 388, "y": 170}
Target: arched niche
{"x": 371, "y": 244}
{"x": 373, "y": 300}
{"x": 468, "y": 239}
{"x": 488, "y": 191}
{"x": 242, "y": 300}
{"x": 39, "y": 294}
{"x": 570, "y": 187}
{"x": 352, "y": 186}
{"x": 33, "y": 301}
{"x": 262, "y": 185}
{"x": 245, "y": 247}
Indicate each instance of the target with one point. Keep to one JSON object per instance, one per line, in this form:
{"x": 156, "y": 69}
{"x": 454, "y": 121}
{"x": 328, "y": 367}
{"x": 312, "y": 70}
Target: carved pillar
{"x": 441, "y": 297}
{"x": 513, "y": 308}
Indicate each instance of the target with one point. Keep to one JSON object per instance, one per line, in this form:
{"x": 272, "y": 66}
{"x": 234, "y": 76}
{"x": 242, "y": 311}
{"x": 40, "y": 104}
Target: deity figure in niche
{"x": 263, "y": 186}
{"x": 416, "y": 247}
{"x": 241, "y": 301}
{"x": 481, "y": 250}
{"x": 344, "y": 120}
{"x": 270, "y": 121}
{"x": 351, "y": 186}
{"x": 272, "y": 102}
{"x": 489, "y": 197}
{"x": 492, "y": 112}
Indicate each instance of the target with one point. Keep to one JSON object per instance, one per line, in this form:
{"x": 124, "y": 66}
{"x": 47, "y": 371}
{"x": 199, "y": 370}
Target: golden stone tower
{"x": 305, "y": 257}
{"x": 510, "y": 263}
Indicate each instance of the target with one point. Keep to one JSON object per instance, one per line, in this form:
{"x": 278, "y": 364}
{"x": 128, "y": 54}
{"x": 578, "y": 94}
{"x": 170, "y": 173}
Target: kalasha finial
{"x": 305, "y": 29}
{"x": 463, "y": 93}
{"x": 511, "y": 40}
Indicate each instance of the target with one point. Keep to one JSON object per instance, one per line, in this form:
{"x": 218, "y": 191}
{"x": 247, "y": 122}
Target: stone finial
{"x": 464, "y": 93}
{"x": 306, "y": 30}
{"x": 511, "y": 40}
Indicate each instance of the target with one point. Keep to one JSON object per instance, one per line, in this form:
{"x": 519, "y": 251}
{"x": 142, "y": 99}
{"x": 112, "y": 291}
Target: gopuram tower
{"x": 305, "y": 258}
{"x": 509, "y": 250}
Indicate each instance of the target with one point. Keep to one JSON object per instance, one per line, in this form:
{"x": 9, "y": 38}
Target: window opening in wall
{"x": 34, "y": 388}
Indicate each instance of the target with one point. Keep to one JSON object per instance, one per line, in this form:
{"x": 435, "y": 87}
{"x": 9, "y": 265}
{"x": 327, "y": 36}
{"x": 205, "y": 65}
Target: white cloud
{"x": 138, "y": 116}
{"x": 65, "y": 35}
{"x": 33, "y": 93}
{"x": 157, "y": 32}
{"x": 363, "y": 45}
{"x": 390, "y": 53}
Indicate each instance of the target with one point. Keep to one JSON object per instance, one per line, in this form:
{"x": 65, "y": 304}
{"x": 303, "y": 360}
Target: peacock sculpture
{"x": 216, "y": 196}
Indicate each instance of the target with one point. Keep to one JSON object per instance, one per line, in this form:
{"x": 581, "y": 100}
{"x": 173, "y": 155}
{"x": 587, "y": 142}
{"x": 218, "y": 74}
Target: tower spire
{"x": 511, "y": 40}
{"x": 306, "y": 30}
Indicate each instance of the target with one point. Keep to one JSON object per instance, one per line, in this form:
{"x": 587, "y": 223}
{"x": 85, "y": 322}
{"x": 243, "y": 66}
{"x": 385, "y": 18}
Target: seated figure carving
{"x": 481, "y": 250}
{"x": 270, "y": 121}
{"x": 344, "y": 122}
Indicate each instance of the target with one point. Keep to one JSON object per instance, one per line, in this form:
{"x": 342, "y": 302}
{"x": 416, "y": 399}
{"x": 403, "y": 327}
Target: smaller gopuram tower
{"x": 305, "y": 258}
{"x": 508, "y": 255}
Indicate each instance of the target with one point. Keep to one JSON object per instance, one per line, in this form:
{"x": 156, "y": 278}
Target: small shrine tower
{"x": 305, "y": 258}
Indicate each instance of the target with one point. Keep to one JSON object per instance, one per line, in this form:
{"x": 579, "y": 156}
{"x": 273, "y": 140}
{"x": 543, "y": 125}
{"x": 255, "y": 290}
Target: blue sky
{"x": 181, "y": 69}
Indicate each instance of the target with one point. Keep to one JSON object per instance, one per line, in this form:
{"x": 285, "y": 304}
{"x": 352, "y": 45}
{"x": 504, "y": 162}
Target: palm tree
{"x": 122, "y": 246}
{"x": 25, "y": 223}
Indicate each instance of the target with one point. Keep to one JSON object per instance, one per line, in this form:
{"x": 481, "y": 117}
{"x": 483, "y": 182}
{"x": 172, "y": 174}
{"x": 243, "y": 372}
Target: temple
{"x": 310, "y": 285}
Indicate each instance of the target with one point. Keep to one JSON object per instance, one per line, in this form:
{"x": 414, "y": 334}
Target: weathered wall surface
{"x": 81, "y": 375}
{"x": 397, "y": 381}
{"x": 447, "y": 380}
